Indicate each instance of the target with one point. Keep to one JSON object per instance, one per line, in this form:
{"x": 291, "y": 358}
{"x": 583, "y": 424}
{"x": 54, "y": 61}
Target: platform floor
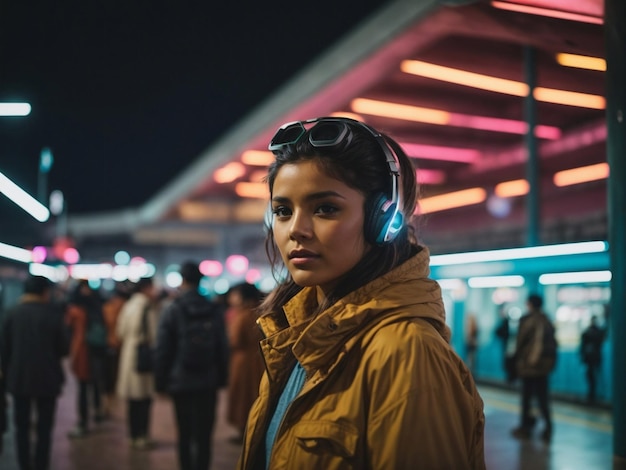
{"x": 582, "y": 439}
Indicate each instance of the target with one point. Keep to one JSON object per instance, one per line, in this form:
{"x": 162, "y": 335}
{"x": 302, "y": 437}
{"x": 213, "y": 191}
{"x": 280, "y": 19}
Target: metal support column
{"x": 615, "y": 37}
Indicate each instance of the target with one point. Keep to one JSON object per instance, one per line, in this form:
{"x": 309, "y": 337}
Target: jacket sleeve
{"x": 165, "y": 351}
{"x": 424, "y": 411}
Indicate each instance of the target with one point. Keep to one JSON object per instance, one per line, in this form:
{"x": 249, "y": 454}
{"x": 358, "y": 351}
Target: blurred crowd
{"x": 123, "y": 348}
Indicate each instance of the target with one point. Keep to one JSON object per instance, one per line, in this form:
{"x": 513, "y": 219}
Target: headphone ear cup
{"x": 379, "y": 212}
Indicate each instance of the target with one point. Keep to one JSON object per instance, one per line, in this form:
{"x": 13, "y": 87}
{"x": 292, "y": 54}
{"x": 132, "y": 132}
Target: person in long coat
{"x": 246, "y": 362}
{"x": 137, "y": 388}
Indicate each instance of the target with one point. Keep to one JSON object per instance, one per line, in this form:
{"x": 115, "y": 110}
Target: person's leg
{"x": 96, "y": 383}
{"x": 21, "y": 420}
{"x": 527, "y": 394}
{"x": 184, "y": 413}
{"x": 97, "y": 400}
{"x": 526, "y": 419}
{"x": 108, "y": 402}
{"x": 145, "y": 409}
{"x": 83, "y": 404}
{"x": 204, "y": 420}
{"x": 544, "y": 405}
{"x": 46, "y": 407}
{"x": 591, "y": 383}
{"x": 134, "y": 419}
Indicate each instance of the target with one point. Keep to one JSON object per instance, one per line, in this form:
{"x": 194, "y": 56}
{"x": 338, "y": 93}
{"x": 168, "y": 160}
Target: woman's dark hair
{"x": 359, "y": 162}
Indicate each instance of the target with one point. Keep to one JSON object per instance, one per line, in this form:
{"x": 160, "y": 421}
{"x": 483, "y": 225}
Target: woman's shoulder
{"x": 406, "y": 336}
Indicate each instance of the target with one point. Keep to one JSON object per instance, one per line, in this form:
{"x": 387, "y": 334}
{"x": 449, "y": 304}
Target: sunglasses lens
{"x": 327, "y": 133}
{"x": 288, "y": 135}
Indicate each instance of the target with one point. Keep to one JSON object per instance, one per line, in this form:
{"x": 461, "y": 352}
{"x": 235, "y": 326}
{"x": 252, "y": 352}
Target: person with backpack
{"x": 191, "y": 365}
{"x": 535, "y": 358}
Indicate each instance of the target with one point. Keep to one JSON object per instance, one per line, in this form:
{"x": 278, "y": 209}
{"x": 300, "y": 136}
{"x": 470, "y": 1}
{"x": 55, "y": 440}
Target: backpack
{"x": 198, "y": 337}
{"x": 96, "y": 334}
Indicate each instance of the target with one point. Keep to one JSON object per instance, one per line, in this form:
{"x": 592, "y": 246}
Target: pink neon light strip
{"x": 563, "y": 15}
{"x": 502, "y": 125}
{"x": 436, "y": 152}
{"x": 430, "y": 176}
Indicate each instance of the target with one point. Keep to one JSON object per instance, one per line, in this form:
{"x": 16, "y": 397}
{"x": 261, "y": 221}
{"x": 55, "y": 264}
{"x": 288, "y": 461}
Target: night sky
{"x": 127, "y": 94}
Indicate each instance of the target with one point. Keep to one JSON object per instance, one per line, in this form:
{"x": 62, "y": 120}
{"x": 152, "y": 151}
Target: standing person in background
{"x": 535, "y": 356}
{"x": 135, "y": 387}
{"x": 591, "y": 355}
{"x": 503, "y": 333}
{"x": 471, "y": 342}
{"x": 84, "y": 317}
{"x": 360, "y": 372}
{"x": 246, "y": 362}
{"x": 111, "y": 311}
{"x": 32, "y": 346}
{"x": 191, "y": 364}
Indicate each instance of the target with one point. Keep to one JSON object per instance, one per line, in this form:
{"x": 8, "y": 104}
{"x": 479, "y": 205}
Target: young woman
{"x": 360, "y": 373}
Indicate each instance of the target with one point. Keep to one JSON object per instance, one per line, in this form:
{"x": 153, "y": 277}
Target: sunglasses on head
{"x": 328, "y": 132}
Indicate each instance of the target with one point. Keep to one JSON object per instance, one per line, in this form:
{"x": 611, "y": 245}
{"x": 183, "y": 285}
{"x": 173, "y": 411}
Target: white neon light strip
{"x": 23, "y": 199}
{"x": 15, "y": 253}
{"x": 580, "y": 277}
{"x": 451, "y": 284}
{"x": 519, "y": 253}
{"x": 15, "y": 109}
{"x": 495, "y": 281}
{"x": 54, "y": 273}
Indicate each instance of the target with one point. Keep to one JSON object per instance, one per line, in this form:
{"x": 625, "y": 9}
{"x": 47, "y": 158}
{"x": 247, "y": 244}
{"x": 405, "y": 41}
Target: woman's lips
{"x": 302, "y": 257}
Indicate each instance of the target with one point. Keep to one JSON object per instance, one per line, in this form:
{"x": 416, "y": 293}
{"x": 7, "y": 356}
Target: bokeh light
{"x": 237, "y": 264}
{"x": 211, "y": 268}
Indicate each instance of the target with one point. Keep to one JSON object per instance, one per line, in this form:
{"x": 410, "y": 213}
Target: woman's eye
{"x": 326, "y": 209}
{"x": 281, "y": 211}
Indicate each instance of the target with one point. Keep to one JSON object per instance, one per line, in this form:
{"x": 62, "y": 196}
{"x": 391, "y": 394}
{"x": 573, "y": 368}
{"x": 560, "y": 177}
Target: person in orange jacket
{"x": 84, "y": 364}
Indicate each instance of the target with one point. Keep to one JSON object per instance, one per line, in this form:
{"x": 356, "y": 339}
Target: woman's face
{"x": 317, "y": 224}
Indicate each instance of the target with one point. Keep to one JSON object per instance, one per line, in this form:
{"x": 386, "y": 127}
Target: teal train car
{"x": 481, "y": 289}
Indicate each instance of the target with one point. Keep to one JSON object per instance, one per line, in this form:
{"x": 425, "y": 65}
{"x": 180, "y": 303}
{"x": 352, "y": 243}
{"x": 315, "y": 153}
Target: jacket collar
{"x": 321, "y": 342}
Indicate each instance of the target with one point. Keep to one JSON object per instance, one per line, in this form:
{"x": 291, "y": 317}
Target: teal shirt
{"x": 291, "y": 390}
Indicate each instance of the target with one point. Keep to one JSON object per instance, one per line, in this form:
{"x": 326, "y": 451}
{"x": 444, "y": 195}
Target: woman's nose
{"x": 300, "y": 227}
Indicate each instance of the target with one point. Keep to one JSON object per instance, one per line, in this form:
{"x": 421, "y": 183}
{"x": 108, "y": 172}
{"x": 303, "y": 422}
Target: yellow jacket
{"x": 384, "y": 389}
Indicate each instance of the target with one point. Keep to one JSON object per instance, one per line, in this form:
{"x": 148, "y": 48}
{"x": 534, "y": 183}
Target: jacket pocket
{"x": 326, "y": 439}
